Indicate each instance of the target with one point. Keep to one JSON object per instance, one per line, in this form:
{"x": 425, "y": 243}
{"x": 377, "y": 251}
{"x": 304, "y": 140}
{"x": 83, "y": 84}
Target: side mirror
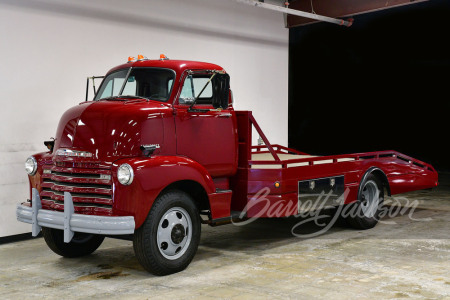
{"x": 221, "y": 90}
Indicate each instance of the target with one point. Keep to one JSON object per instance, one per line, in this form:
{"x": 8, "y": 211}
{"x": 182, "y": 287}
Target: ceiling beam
{"x": 340, "y": 8}
{"x": 295, "y": 12}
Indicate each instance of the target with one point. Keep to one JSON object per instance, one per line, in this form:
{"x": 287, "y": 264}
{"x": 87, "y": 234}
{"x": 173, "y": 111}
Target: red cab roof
{"x": 177, "y": 65}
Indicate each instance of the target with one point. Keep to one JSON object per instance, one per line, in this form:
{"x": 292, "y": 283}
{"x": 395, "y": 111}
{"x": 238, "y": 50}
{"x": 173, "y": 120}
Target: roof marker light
{"x": 163, "y": 57}
{"x": 131, "y": 59}
{"x": 141, "y": 57}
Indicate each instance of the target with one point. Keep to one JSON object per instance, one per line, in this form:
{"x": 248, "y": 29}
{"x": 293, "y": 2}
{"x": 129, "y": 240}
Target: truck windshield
{"x": 148, "y": 83}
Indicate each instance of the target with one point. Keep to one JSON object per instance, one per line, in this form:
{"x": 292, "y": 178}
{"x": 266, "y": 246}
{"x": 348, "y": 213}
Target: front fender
{"x": 42, "y": 158}
{"x": 151, "y": 176}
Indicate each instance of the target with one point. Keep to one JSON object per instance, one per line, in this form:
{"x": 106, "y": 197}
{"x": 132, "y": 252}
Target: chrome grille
{"x": 89, "y": 188}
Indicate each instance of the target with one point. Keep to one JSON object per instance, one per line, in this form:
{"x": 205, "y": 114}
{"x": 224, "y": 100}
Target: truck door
{"x": 205, "y": 134}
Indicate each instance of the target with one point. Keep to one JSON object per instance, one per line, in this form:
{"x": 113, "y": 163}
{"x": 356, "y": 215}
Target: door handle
{"x": 224, "y": 115}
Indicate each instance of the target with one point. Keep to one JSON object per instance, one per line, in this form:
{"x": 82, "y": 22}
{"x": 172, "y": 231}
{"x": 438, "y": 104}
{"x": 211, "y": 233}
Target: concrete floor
{"x": 402, "y": 257}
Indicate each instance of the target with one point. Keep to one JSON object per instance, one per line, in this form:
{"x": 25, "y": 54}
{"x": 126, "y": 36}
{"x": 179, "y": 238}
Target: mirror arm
{"x": 93, "y": 85}
{"x": 87, "y": 89}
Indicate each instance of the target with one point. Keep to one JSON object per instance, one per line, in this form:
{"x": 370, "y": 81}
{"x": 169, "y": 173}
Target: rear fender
{"x": 415, "y": 178}
{"x": 380, "y": 175}
{"x": 151, "y": 176}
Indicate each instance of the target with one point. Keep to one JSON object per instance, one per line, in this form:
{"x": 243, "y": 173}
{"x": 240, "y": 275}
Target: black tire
{"x": 81, "y": 244}
{"x": 153, "y": 250}
{"x": 365, "y": 212}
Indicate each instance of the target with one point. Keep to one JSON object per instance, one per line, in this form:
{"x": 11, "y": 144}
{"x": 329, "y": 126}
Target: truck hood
{"x": 104, "y": 131}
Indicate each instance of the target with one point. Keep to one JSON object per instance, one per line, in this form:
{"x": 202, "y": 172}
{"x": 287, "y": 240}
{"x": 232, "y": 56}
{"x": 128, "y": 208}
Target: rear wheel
{"x": 365, "y": 212}
{"x": 168, "y": 240}
{"x": 81, "y": 244}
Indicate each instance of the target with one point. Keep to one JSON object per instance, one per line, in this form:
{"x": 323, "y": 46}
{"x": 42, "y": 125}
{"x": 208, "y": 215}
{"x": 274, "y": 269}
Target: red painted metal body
{"x": 210, "y": 149}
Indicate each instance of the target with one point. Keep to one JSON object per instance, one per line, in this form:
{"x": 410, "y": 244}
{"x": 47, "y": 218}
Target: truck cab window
{"x": 151, "y": 83}
{"x": 130, "y": 87}
{"x": 112, "y": 84}
{"x": 192, "y": 87}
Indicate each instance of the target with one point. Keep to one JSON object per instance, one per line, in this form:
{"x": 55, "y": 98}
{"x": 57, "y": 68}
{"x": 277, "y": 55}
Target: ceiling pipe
{"x": 295, "y": 12}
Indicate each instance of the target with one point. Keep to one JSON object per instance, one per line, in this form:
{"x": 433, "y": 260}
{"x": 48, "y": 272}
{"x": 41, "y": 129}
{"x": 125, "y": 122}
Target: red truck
{"x": 160, "y": 150}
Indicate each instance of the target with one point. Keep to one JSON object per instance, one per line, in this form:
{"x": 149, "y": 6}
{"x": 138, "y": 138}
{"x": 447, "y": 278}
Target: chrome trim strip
{"x": 76, "y": 176}
{"x": 75, "y": 185}
{"x": 81, "y": 195}
{"x": 80, "y": 204}
{"x": 73, "y": 153}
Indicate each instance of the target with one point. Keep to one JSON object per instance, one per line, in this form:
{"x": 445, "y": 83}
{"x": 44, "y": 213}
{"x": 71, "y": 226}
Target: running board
{"x": 236, "y": 216}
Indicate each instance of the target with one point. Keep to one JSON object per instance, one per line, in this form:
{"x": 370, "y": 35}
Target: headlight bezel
{"x": 34, "y": 164}
{"x": 129, "y": 177}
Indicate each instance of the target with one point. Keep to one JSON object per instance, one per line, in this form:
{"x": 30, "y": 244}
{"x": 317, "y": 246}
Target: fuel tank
{"x": 106, "y": 130}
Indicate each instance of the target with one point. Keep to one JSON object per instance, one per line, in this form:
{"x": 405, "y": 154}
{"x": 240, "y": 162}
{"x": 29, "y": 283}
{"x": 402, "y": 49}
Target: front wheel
{"x": 168, "y": 240}
{"x": 81, "y": 244}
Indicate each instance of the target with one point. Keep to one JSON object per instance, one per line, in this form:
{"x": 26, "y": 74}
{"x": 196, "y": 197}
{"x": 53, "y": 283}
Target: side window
{"x": 193, "y": 85}
{"x": 199, "y": 83}
{"x": 187, "y": 91}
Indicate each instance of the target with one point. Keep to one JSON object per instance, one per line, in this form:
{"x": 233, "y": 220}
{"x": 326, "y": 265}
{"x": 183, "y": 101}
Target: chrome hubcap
{"x": 174, "y": 233}
{"x": 370, "y": 199}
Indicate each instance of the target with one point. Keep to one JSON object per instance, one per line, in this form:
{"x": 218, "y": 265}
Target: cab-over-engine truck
{"x": 160, "y": 150}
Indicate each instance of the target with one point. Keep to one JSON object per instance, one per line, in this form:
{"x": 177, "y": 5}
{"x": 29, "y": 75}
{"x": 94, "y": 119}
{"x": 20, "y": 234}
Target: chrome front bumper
{"x": 69, "y": 221}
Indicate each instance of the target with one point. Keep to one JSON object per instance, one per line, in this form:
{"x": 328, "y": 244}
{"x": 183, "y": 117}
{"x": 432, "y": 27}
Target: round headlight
{"x": 125, "y": 174}
{"x": 31, "y": 165}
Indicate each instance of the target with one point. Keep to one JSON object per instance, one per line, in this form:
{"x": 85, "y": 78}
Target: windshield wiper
{"x": 112, "y": 98}
{"x": 123, "y": 97}
{"x": 136, "y": 97}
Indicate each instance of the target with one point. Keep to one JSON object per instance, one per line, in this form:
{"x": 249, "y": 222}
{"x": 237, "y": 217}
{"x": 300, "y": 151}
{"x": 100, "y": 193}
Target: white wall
{"x": 48, "y": 48}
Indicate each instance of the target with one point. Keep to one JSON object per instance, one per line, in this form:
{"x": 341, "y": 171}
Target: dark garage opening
{"x": 381, "y": 84}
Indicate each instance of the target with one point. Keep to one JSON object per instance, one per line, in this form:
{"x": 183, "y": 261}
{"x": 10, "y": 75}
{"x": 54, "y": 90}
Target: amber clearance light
{"x": 141, "y": 57}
